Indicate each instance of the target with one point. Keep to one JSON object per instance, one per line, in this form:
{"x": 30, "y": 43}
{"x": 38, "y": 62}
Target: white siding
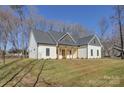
{"x": 32, "y": 47}
{"x": 94, "y": 48}
{"x": 82, "y": 52}
{"x": 42, "y": 52}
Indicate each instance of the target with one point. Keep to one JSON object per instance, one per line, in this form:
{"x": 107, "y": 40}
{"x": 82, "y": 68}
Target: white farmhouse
{"x": 61, "y": 45}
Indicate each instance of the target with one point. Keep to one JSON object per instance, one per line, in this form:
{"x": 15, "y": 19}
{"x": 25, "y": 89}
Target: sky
{"x": 87, "y": 16}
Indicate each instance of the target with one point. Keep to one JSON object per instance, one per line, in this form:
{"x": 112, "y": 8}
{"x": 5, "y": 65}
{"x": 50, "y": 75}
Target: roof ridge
{"x": 87, "y": 36}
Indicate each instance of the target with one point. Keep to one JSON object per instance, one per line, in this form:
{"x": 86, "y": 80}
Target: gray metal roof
{"x": 57, "y": 35}
{"x": 52, "y": 37}
{"x": 67, "y": 41}
{"x": 43, "y": 37}
{"x": 84, "y": 40}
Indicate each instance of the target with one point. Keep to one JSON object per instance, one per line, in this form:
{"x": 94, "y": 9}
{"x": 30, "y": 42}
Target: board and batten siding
{"x": 95, "y": 49}
{"x": 82, "y": 52}
{"x": 32, "y": 47}
{"x": 42, "y": 51}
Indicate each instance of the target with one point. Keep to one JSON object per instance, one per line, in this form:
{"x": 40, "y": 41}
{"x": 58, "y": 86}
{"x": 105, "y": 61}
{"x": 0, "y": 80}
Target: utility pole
{"x": 120, "y": 29}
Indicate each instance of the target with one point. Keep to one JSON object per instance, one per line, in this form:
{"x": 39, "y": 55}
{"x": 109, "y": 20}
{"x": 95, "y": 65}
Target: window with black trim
{"x": 47, "y": 52}
{"x": 97, "y": 52}
{"x": 70, "y": 52}
{"x": 91, "y": 52}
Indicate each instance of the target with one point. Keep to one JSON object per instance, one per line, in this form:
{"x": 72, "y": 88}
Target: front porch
{"x": 67, "y": 52}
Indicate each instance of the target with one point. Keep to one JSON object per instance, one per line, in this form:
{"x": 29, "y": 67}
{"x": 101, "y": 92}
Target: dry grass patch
{"x": 85, "y": 72}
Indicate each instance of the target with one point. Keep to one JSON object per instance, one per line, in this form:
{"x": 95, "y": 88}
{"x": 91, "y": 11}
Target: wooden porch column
{"x": 65, "y": 52}
{"x": 72, "y": 52}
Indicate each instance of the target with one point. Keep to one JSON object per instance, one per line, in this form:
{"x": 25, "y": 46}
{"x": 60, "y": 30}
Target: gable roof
{"x": 43, "y": 37}
{"x": 53, "y": 37}
{"x": 56, "y": 35}
{"x": 84, "y": 40}
{"x": 67, "y": 40}
{"x": 98, "y": 43}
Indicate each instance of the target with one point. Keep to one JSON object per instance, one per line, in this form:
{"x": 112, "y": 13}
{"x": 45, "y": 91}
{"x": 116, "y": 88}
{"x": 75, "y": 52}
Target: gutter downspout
{"x": 87, "y": 51}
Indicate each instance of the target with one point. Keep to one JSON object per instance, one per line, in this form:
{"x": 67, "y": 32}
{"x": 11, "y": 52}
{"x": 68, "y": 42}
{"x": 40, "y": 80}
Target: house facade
{"x": 61, "y": 45}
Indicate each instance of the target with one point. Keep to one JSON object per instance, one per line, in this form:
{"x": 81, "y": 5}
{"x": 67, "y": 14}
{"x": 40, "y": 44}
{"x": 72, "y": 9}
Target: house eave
{"x": 45, "y": 43}
{"x": 67, "y": 44}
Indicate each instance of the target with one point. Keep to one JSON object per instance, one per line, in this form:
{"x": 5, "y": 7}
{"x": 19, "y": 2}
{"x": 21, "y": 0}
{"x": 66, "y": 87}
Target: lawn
{"x": 66, "y": 73}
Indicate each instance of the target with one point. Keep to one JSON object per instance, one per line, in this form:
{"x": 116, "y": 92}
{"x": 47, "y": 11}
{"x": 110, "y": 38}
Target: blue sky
{"x": 85, "y": 15}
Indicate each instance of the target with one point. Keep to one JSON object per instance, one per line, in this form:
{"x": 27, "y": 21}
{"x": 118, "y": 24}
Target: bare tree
{"x": 35, "y": 20}
{"x": 19, "y": 10}
{"x": 103, "y": 25}
{"x": 6, "y": 27}
{"x": 118, "y": 17}
{"x": 0, "y": 41}
{"x": 14, "y": 34}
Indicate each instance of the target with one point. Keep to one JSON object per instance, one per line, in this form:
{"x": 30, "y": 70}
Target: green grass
{"x": 67, "y": 73}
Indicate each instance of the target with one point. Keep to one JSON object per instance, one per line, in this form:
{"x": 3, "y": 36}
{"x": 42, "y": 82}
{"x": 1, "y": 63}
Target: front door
{"x": 63, "y": 54}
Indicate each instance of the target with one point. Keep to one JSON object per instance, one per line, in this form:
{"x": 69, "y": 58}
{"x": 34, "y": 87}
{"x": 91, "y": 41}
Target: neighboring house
{"x": 61, "y": 45}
